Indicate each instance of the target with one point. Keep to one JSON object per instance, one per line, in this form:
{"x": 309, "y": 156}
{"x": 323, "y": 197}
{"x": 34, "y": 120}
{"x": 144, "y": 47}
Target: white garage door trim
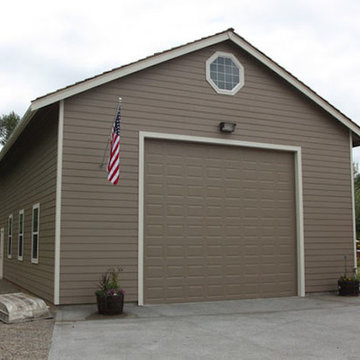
{"x": 298, "y": 188}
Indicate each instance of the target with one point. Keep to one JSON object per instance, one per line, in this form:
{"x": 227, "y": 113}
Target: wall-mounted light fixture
{"x": 227, "y": 127}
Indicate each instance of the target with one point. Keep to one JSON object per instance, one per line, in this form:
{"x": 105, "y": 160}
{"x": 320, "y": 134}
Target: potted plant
{"x": 348, "y": 285}
{"x": 110, "y": 297}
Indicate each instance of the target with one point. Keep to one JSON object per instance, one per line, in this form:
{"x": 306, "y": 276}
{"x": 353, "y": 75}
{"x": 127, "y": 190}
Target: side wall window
{"x": 35, "y": 234}
{"x": 10, "y": 232}
{"x": 21, "y": 235}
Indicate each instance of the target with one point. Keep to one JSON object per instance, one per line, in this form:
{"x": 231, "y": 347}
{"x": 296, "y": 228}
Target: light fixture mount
{"x": 227, "y": 127}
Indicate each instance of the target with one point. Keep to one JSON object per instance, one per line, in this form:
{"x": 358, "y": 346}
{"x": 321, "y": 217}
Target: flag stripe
{"x": 114, "y": 159}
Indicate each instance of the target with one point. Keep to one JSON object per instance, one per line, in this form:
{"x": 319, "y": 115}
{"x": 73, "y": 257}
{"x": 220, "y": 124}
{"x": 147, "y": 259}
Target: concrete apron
{"x": 316, "y": 327}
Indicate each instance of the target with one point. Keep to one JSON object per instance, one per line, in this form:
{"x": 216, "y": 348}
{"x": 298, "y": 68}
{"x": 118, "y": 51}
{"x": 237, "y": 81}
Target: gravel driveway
{"x": 28, "y": 340}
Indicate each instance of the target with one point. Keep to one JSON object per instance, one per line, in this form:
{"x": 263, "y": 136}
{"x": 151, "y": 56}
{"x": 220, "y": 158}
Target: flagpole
{"x": 109, "y": 137}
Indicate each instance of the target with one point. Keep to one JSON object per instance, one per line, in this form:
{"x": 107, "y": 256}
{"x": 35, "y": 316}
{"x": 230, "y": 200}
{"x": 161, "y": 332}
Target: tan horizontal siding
{"x": 175, "y": 98}
{"x": 27, "y": 177}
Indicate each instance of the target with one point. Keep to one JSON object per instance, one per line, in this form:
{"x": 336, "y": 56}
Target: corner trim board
{"x": 141, "y": 221}
{"x": 300, "y": 223}
{"x": 58, "y": 204}
{"x": 298, "y": 188}
{"x": 353, "y": 198}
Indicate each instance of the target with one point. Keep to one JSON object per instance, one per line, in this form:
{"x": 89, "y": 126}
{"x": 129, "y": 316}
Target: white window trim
{"x": 296, "y": 150}
{"x": 237, "y": 63}
{"x": 35, "y": 260}
{"x": 9, "y": 248}
{"x": 21, "y": 212}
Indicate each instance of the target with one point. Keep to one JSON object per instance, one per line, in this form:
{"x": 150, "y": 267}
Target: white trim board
{"x": 298, "y": 188}
{"x": 21, "y": 212}
{"x": 58, "y": 204}
{"x": 33, "y": 259}
{"x": 353, "y": 200}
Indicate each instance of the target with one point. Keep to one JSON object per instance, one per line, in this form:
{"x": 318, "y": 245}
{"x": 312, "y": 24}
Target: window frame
{"x": 241, "y": 83}
{"x": 35, "y": 260}
{"x": 10, "y": 236}
{"x": 21, "y": 235}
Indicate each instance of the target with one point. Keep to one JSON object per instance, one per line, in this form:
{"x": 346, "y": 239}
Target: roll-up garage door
{"x": 219, "y": 222}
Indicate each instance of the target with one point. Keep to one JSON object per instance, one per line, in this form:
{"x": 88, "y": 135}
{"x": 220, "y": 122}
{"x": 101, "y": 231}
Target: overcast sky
{"x": 47, "y": 45}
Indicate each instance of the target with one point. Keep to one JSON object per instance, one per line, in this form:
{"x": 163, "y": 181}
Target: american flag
{"x": 114, "y": 159}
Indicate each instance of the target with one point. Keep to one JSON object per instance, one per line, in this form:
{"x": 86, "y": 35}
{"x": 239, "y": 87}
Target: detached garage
{"x": 235, "y": 182}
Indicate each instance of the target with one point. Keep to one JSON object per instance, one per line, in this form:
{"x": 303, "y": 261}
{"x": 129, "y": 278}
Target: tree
{"x": 7, "y": 126}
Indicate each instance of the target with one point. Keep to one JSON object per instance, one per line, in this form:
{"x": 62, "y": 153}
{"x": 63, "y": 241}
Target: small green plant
{"x": 109, "y": 283}
{"x": 346, "y": 276}
{"x": 349, "y": 278}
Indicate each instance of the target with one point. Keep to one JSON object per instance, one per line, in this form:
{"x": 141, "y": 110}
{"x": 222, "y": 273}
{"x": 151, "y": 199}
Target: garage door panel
{"x": 214, "y": 261}
{"x": 194, "y": 240}
{"x": 215, "y": 292}
{"x": 155, "y": 251}
{"x": 233, "y": 269}
{"x": 175, "y": 293}
{"x": 175, "y": 220}
{"x": 232, "y": 233}
{"x": 174, "y": 190}
{"x": 232, "y": 251}
{"x": 195, "y": 270}
{"x": 211, "y": 270}
{"x": 195, "y": 292}
{"x": 155, "y": 230}
{"x": 154, "y": 200}
{"x": 219, "y": 223}
{"x": 175, "y": 230}
{"x": 194, "y": 230}
{"x": 195, "y": 190}
{"x": 283, "y": 250}
{"x": 194, "y": 250}
{"x": 176, "y": 271}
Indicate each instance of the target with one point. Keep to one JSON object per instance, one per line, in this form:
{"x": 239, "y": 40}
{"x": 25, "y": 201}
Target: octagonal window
{"x": 225, "y": 73}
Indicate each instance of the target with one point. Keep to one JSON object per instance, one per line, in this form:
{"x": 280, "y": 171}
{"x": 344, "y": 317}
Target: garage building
{"x": 235, "y": 182}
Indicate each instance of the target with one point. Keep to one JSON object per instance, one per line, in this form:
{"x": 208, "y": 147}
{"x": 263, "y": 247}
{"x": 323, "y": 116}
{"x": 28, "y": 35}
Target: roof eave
{"x": 29, "y": 114}
{"x": 127, "y": 70}
{"x": 294, "y": 82}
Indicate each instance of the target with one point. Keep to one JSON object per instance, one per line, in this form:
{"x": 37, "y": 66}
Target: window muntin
{"x": 21, "y": 235}
{"x": 225, "y": 73}
{"x": 35, "y": 234}
{"x": 10, "y": 232}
